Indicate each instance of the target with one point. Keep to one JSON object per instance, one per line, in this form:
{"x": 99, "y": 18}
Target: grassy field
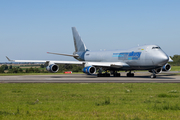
{"x": 131, "y": 101}
{"x": 175, "y": 68}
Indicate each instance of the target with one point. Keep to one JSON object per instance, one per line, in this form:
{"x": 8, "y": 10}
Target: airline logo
{"x": 127, "y": 56}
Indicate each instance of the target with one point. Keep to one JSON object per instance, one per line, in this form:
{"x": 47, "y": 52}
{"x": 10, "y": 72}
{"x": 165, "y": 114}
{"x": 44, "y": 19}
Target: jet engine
{"x": 52, "y": 68}
{"x": 166, "y": 67}
{"x": 89, "y": 70}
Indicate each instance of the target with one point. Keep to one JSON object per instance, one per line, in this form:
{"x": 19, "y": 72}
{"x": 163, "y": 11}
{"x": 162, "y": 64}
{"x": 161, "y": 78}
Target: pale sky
{"x": 31, "y": 28}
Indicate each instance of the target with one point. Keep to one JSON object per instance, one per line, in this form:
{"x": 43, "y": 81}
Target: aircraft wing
{"x": 96, "y": 64}
{"x": 46, "y": 61}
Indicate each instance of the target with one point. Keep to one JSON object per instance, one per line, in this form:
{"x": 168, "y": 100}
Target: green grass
{"x": 131, "y": 101}
{"x": 175, "y": 68}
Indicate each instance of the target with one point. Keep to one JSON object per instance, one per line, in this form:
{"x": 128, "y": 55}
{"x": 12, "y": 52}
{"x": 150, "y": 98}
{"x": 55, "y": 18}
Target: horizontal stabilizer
{"x": 63, "y": 54}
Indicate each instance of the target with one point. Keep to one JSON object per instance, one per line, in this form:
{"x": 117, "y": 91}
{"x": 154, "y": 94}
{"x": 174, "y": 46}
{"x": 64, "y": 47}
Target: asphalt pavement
{"x": 140, "y": 77}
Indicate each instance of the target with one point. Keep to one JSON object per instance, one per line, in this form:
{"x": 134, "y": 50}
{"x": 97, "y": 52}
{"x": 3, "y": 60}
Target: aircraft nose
{"x": 164, "y": 58}
{"x": 160, "y": 58}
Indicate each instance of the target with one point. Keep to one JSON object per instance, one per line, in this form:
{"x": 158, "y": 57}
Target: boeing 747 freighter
{"x": 147, "y": 57}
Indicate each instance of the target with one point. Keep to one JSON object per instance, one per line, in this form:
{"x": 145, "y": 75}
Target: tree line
{"x": 62, "y": 68}
{"x": 176, "y": 60}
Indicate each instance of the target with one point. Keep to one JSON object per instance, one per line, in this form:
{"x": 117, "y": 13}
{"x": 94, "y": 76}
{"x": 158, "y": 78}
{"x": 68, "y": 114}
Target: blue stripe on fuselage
{"x": 128, "y": 56}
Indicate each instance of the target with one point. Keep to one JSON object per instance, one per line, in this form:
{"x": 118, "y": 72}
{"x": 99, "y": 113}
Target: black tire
{"x": 117, "y": 75}
{"x": 107, "y": 75}
{"x": 153, "y": 76}
{"x": 132, "y": 74}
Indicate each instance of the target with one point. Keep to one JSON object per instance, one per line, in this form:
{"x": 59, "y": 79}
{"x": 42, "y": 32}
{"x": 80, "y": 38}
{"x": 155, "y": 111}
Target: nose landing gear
{"x": 153, "y": 74}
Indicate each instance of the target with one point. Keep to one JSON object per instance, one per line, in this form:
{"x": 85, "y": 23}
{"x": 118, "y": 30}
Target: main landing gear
{"x": 100, "y": 74}
{"x": 115, "y": 74}
{"x": 130, "y": 74}
{"x": 103, "y": 75}
{"x": 106, "y": 74}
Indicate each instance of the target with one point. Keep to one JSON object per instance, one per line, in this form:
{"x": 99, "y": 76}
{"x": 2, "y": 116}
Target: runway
{"x": 140, "y": 77}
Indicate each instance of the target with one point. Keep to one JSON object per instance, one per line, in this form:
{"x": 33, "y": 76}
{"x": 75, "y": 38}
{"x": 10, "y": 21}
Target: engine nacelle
{"x": 52, "y": 68}
{"x": 166, "y": 67}
{"x": 89, "y": 70}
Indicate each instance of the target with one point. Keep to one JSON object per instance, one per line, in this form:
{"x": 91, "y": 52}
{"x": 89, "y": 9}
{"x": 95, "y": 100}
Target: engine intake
{"x": 89, "y": 70}
{"x": 166, "y": 67}
{"x": 52, "y": 68}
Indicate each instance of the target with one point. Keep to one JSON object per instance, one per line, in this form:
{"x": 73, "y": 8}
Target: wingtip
{"x": 9, "y": 59}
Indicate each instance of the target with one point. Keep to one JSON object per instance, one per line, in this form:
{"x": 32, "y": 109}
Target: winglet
{"x": 9, "y": 59}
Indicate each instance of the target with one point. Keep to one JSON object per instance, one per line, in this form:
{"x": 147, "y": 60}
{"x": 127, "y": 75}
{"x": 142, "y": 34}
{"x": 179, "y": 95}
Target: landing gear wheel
{"x": 130, "y": 74}
{"x": 117, "y": 74}
{"x": 153, "y": 76}
{"x": 98, "y": 75}
{"x": 108, "y": 75}
{"x": 103, "y": 75}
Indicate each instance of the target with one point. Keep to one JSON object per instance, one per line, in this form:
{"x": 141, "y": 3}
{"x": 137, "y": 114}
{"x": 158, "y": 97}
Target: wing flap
{"x": 63, "y": 54}
{"x": 108, "y": 64}
{"x": 66, "y": 62}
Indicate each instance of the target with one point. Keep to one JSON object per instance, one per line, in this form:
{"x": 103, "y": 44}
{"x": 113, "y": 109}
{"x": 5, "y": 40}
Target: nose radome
{"x": 163, "y": 58}
{"x": 160, "y": 58}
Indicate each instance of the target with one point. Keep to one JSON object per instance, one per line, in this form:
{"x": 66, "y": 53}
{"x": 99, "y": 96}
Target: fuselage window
{"x": 87, "y": 54}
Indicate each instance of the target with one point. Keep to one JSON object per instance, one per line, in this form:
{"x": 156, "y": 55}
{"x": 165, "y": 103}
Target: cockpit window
{"x": 156, "y": 48}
